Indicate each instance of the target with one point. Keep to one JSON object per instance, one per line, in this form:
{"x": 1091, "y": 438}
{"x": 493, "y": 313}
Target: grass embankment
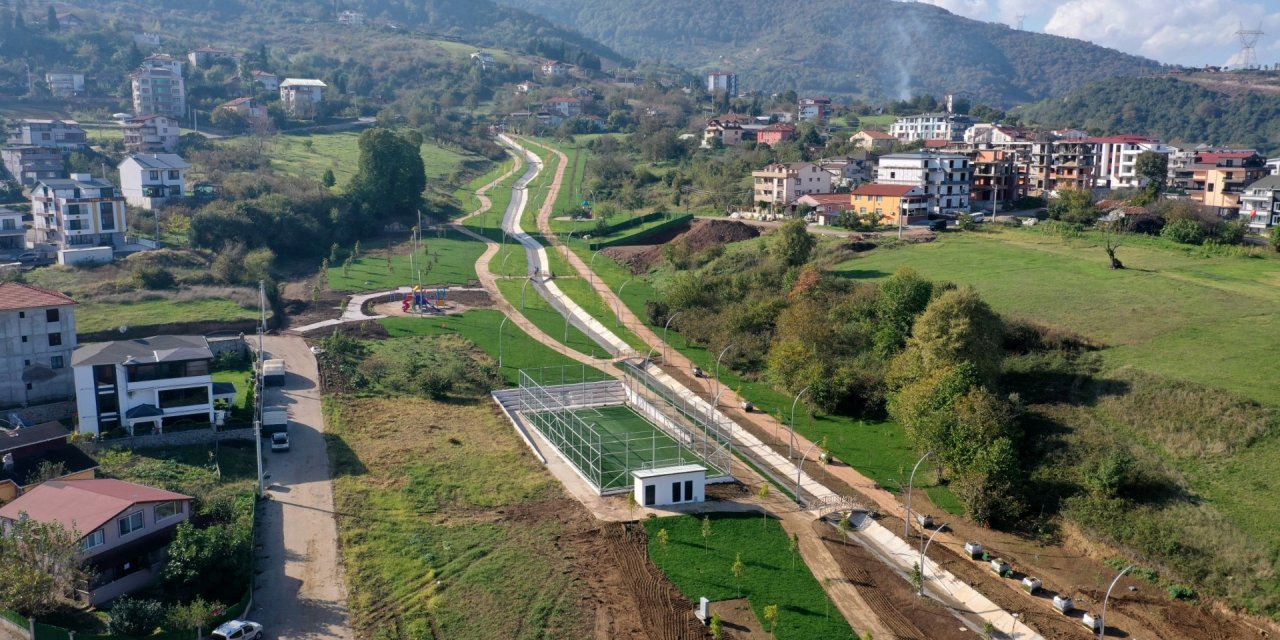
{"x": 545, "y": 317}
{"x": 773, "y": 575}
{"x": 452, "y": 259}
{"x": 418, "y": 484}
{"x": 98, "y": 316}
{"x": 466, "y": 195}
{"x": 310, "y": 154}
{"x": 519, "y": 350}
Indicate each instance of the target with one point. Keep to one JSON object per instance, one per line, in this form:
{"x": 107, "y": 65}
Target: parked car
{"x": 280, "y": 441}
{"x": 238, "y": 630}
{"x": 937, "y": 225}
{"x": 30, "y": 256}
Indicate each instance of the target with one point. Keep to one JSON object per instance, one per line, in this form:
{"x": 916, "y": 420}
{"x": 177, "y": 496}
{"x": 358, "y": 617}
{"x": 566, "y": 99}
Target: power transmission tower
{"x": 1021, "y": 19}
{"x": 1248, "y": 41}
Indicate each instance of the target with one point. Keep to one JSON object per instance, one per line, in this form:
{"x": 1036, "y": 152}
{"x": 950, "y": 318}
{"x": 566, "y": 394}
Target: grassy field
{"x": 628, "y": 442}
{"x": 309, "y": 154}
{"x": 519, "y": 351}
{"x": 581, "y": 292}
{"x": 1173, "y": 311}
{"x": 545, "y": 317}
{"x": 95, "y": 316}
{"x": 424, "y": 554}
{"x": 452, "y": 261}
{"x": 205, "y": 471}
{"x": 466, "y": 195}
{"x": 771, "y": 577}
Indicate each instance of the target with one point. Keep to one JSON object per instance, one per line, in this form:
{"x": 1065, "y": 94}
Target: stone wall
{"x": 175, "y": 439}
{"x": 42, "y": 413}
{"x": 228, "y": 344}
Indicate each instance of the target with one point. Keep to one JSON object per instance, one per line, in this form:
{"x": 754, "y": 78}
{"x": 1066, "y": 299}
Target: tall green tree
{"x": 40, "y": 567}
{"x": 51, "y": 21}
{"x": 391, "y": 176}
{"x": 1154, "y": 167}
{"x": 793, "y": 244}
{"x": 957, "y": 327}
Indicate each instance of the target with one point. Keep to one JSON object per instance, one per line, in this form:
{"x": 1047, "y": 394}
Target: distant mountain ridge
{"x": 876, "y": 49}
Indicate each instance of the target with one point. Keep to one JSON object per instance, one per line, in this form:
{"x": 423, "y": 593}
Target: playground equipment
{"x": 422, "y": 300}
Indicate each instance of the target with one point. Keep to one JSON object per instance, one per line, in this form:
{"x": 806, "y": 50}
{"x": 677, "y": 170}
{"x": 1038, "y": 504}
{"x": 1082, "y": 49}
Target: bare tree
{"x": 1112, "y": 239}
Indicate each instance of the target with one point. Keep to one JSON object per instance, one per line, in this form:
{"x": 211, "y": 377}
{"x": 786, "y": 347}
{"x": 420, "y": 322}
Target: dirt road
{"x": 300, "y": 590}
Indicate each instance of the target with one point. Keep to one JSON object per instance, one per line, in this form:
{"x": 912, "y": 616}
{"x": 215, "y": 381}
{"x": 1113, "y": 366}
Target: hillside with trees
{"x": 1175, "y": 110}
{"x": 874, "y": 49}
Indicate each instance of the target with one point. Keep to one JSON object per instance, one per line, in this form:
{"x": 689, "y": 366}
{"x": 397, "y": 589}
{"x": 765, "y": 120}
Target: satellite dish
{"x": 124, "y": 329}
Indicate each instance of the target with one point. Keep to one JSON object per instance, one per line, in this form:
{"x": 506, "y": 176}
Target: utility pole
{"x": 259, "y": 387}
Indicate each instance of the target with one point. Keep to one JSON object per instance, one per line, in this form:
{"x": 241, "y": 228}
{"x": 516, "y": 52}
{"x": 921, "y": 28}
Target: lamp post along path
{"x": 1102, "y": 624}
{"x": 792, "y": 443}
{"x": 906, "y": 525}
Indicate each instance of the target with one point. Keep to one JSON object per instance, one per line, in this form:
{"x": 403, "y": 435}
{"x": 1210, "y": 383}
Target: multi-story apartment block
{"x": 299, "y": 96}
{"x": 150, "y": 179}
{"x": 65, "y": 84}
{"x": 146, "y": 383}
{"x": 931, "y": 126}
{"x": 723, "y": 81}
{"x": 63, "y": 134}
{"x": 151, "y": 134}
{"x": 1260, "y": 204}
{"x": 13, "y": 233}
{"x": 813, "y": 109}
{"x": 29, "y": 165}
{"x": 81, "y": 211}
{"x": 37, "y": 337}
{"x": 1066, "y": 163}
{"x": 158, "y": 87}
{"x": 997, "y": 179}
{"x": 895, "y": 204}
{"x": 783, "y": 183}
{"x": 945, "y": 178}
{"x": 567, "y": 106}
{"x": 1219, "y": 177}
{"x": 1118, "y": 158}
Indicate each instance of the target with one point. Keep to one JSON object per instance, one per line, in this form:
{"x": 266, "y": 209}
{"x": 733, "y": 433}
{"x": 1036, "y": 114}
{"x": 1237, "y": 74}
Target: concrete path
{"x": 300, "y": 591}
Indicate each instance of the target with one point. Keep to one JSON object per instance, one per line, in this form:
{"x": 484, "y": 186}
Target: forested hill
{"x": 1175, "y": 110}
{"x": 870, "y": 48}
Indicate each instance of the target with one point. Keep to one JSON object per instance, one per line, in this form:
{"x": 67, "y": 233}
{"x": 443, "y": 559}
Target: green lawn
{"x": 773, "y": 575}
{"x": 452, "y": 261}
{"x": 545, "y": 317}
{"x": 309, "y": 154}
{"x": 1173, "y": 312}
{"x": 202, "y": 470}
{"x": 466, "y": 195}
{"x": 627, "y": 441}
{"x": 582, "y": 293}
{"x": 94, "y": 316}
{"x": 519, "y": 350}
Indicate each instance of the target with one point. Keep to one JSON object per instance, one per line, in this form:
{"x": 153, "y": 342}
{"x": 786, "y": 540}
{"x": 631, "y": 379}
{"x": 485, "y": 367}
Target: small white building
{"x": 77, "y": 212}
{"x": 931, "y": 126}
{"x": 299, "y": 96}
{"x": 145, "y": 384}
{"x": 783, "y": 183}
{"x": 151, "y": 179}
{"x": 65, "y": 84}
{"x": 670, "y": 485}
{"x": 13, "y": 232}
{"x": 945, "y": 178}
{"x": 555, "y": 69}
{"x": 269, "y": 81}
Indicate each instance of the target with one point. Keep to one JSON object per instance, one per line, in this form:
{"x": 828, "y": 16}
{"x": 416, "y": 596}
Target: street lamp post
{"x": 726, "y": 350}
{"x": 906, "y": 526}
{"x": 799, "y": 468}
{"x": 617, "y": 316}
{"x": 924, "y": 550}
{"x": 591, "y": 267}
{"x": 664, "y": 333}
{"x": 1102, "y": 624}
{"x": 524, "y": 288}
{"x": 792, "y": 443}
{"x": 503, "y": 268}
{"x": 500, "y": 327}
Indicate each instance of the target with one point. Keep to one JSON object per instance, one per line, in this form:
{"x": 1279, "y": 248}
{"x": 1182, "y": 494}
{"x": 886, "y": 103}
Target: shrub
{"x": 1184, "y": 231}
{"x": 1181, "y": 592}
{"x": 151, "y": 277}
{"x": 131, "y": 617}
{"x": 1232, "y": 232}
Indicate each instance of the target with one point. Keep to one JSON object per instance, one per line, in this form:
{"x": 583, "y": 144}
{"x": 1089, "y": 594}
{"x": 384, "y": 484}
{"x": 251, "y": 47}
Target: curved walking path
{"x": 895, "y": 551}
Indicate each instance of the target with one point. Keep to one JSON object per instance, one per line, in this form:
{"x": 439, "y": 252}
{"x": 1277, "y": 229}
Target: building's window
{"x": 22, "y": 314}
{"x": 173, "y": 174}
{"x": 56, "y": 362}
{"x": 184, "y": 397}
{"x": 75, "y": 225}
{"x": 55, "y": 339}
{"x": 73, "y": 210}
{"x": 24, "y": 339}
{"x": 107, "y": 217}
{"x": 51, "y": 315}
{"x": 95, "y": 539}
{"x": 130, "y": 523}
{"x": 154, "y": 175}
{"x": 167, "y": 510}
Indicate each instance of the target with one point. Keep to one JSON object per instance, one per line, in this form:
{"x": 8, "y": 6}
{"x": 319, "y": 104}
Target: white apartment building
{"x": 158, "y": 88}
{"x": 146, "y": 383}
{"x": 723, "y": 81}
{"x": 931, "y": 126}
{"x": 1118, "y": 157}
{"x": 299, "y": 96}
{"x": 29, "y": 164}
{"x": 148, "y": 180}
{"x": 783, "y": 183}
{"x": 13, "y": 233}
{"x": 1273, "y": 166}
{"x": 1260, "y": 204}
{"x": 945, "y": 178}
{"x": 152, "y": 134}
{"x": 81, "y": 211}
{"x": 37, "y": 337}
{"x": 65, "y": 85}
{"x": 62, "y": 134}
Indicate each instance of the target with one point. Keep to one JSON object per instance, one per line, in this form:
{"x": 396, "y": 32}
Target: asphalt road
{"x": 300, "y": 591}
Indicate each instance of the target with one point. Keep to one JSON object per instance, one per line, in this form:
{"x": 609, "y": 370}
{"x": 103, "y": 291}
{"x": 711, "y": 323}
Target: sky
{"x": 1185, "y": 32}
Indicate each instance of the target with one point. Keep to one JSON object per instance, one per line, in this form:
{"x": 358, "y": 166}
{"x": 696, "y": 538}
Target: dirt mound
{"x": 702, "y": 235}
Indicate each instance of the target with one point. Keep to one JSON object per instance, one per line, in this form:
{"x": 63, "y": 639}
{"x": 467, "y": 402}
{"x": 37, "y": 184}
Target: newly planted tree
{"x": 763, "y": 494}
{"x": 663, "y": 539}
{"x": 717, "y": 627}
{"x": 706, "y": 534}
{"x": 771, "y": 616}
{"x": 738, "y": 570}
{"x": 795, "y": 548}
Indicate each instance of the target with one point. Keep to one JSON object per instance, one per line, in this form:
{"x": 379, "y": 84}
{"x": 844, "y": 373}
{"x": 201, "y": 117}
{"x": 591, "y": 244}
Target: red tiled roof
{"x": 877, "y": 135}
{"x": 83, "y": 505}
{"x": 14, "y": 295}
{"x": 1212, "y": 157}
{"x": 872, "y": 189}
{"x": 1130, "y": 139}
{"x": 936, "y": 144}
{"x": 828, "y": 198}
{"x": 780, "y": 126}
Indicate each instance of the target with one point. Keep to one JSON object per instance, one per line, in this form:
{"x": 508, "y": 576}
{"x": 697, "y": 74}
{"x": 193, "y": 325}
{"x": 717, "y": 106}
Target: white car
{"x": 238, "y": 630}
{"x": 279, "y": 441}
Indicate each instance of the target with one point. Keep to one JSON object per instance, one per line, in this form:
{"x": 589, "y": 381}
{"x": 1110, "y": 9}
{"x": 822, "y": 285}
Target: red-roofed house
{"x": 937, "y": 144}
{"x": 775, "y": 133}
{"x": 24, "y": 451}
{"x": 37, "y": 336}
{"x": 896, "y": 204}
{"x": 567, "y": 106}
{"x": 247, "y": 107}
{"x": 125, "y": 528}
{"x": 827, "y": 207}
{"x": 873, "y": 141}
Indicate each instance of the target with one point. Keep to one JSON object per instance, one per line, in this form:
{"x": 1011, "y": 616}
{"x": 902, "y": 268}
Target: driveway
{"x": 300, "y": 590}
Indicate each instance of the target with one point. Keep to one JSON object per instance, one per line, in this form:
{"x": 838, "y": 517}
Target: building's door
{"x": 675, "y": 492}
{"x": 650, "y": 495}
{"x": 688, "y": 490}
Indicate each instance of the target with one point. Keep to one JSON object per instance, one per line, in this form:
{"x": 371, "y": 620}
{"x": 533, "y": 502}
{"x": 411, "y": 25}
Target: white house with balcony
{"x": 146, "y": 384}
{"x": 299, "y": 96}
{"x": 77, "y": 212}
{"x": 782, "y": 183}
{"x": 931, "y": 126}
{"x": 148, "y": 180}
{"x": 1260, "y": 204}
{"x": 13, "y": 233}
{"x": 945, "y": 178}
